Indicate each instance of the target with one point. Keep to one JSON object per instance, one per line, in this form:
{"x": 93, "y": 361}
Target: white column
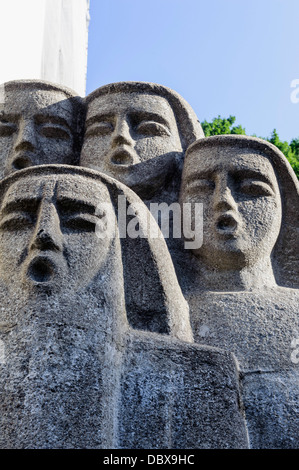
{"x": 64, "y": 55}
{"x": 45, "y": 39}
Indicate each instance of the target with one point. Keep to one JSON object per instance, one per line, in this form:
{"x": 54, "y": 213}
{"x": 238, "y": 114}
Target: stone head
{"x": 48, "y": 220}
{"x": 236, "y": 180}
{"x": 60, "y": 235}
{"x": 137, "y": 133}
{"x": 39, "y": 124}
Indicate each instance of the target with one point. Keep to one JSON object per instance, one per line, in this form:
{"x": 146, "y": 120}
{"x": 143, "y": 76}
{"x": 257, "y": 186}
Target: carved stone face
{"x": 47, "y": 232}
{"x": 36, "y": 127}
{"x": 124, "y": 129}
{"x": 241, "y": 204}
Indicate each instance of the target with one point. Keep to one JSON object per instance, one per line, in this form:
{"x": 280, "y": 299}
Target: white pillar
{"x": 64, "y": 57}
{"x": 45, "y": 39}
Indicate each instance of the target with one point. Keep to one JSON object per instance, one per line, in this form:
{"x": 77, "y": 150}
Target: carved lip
{"x": 227, "y": 224}
{"x": 122, "y": 156}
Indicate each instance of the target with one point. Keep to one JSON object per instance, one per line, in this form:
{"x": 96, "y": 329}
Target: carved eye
{"x": 152, "y": 128}
{"x": 99, "y": 129}
{"x": 54, "y": 131}
{"x": 16, "y": 221}
{"x": 7, "y": 128}
{"x": 252, "y": 187}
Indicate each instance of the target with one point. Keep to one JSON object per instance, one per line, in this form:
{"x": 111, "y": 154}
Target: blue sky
{"x": 225, "y": 57}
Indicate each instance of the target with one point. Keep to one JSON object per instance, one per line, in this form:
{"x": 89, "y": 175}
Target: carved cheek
{"x": 6, "y": 144}
{"x": 260, "y": 220}
{"x": 10, "y": 258}
{"x": 96, "y": 146}
{"x": 151, "y": 147}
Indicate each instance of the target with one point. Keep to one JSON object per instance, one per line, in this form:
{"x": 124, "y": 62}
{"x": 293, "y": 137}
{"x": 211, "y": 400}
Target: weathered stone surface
{"x": 258, "y": 327}
{"x": 40, "y": 123}
{"x": 63, "y": 220}
{"x": 175, "y": 395}
{"x": 247, "y": 155}
{"x": 271, "y": 400}
{"x": 96, "y": 340}
{"x": 64, "y": 322}
{"x": 59, "y": 377}
{"x": 62, "y": 297}
{"x": 137, "y": 132}
{"x": 249, "y": 192}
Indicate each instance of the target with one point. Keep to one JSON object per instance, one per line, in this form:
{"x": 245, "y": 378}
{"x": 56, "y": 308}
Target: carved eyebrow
{"x": 75, "y": 205}
{"x": 46, "y": 118}
{"x": 254, "y": 174}
{"x": 21, "y": 204}
{"x": 149, "y": 116}
{"x": 240, "y": 174}
{"x": 99, "y": 118}
{"x": 9, "y": 118}
{"x": 140, "y": 115}
{"x": 31, "y": 204}
{"x": 199, "y": 176}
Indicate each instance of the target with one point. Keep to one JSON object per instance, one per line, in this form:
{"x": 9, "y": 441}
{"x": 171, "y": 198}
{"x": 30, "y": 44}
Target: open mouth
{"x": 122, "y": 156}
{"x": 226, "y": 224}
{"x": 41, "y": 269}
{"x": 22, "y": 160}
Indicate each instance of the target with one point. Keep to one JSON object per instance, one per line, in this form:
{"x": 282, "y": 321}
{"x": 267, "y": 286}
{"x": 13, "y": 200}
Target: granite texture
{"x": 137, "y": 132}
{"x": 114, "y": 335}
{"x": 71, "y": 353}
{"x": 40, "y": 123}
{"x": 242, "y": 282}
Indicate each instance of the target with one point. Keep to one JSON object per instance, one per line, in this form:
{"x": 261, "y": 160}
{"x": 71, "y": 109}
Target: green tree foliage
{"x": 291, "y": 151}
{"x": 221, "y": 125}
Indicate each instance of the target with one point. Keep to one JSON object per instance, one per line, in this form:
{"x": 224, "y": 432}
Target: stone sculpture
{"x": 40, "y": 123}
{"x": 235, "y": 282}
{"x": 56, "y": 325}
{"x": 137, "y": 132}
{"x": 70, "y": 198}
{"x": 111, "y": 338}
{"x": 74, "y": 367}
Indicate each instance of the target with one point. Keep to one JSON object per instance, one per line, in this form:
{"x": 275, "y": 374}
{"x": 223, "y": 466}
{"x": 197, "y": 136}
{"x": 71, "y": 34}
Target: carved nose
{"x": 26, "y": 141}
{"x": 121, "y": 134}
{"x": 47, "y": 235}
{"x": 224, "y": 200}
{"x": 45, "y": 241}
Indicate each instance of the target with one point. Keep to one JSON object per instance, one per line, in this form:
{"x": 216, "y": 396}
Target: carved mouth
{"x": 122, "y": 156}
{"x": 22, "y": 160}
{"x": 226, "y": 224}
{"x": 41, "y": 269}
